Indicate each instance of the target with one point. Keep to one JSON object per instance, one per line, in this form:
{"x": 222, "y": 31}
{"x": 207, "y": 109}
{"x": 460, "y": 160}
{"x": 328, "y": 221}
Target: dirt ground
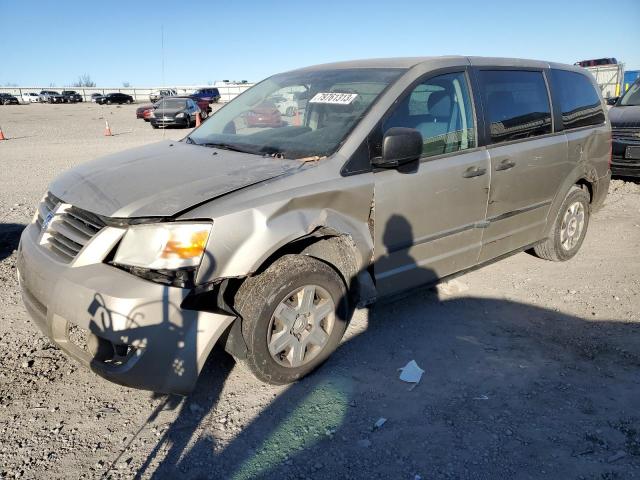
{"x": 532, "y": 368}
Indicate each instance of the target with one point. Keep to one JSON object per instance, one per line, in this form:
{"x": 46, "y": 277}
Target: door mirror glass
{"x": 400, "y": 146}
{"x": 612, "y": 100}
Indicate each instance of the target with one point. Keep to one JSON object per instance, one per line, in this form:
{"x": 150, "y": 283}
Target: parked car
{"x": 94, "y": 96}
{"x": 156, "y": 95}
{"x": 30, "y": 97}
{"x": 264, "y": 115}
{"x": 625, "y": 131}
{"x": 143, "y": 112}
{"x": 71, "y": 96}
{"x": 50, "y": 96}
{"x": 111, "y": 98}
{"x": 400, "y": 173}
{"x": 175, "y": 112}
{"x": 8, "y": 99}
{"x": 211, "y": 95}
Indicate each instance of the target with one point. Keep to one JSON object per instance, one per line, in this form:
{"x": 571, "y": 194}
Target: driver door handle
{"x": 506, "y": 164}
{"x": 474, "y": 171}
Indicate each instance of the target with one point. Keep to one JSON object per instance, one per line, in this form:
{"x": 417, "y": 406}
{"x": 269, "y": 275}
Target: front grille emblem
{"x": 47, "y": 221}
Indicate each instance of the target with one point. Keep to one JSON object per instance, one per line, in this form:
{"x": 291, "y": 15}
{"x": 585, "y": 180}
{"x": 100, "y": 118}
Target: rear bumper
{"x": 161, "y": 346}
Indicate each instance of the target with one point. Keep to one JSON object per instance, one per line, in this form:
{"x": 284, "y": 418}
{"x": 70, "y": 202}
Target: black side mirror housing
{"x": 612, "y": 100}
{"x": 400, "y": 146}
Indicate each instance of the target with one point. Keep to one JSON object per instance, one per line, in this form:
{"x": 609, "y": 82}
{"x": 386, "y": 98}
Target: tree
{"x": 126, "y": 84}
{"x": 84, "y": 81}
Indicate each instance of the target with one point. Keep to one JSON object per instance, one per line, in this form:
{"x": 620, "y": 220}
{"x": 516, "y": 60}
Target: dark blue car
{"x": 212, "y": 95}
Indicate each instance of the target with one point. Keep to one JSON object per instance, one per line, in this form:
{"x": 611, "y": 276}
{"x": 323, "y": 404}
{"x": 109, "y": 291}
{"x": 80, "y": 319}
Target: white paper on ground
{"x": 411, "y": 373}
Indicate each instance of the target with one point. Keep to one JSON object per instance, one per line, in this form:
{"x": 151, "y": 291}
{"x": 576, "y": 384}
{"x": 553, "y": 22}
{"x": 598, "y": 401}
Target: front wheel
{"x": 108, "y": 102}
{"x": 129, "y": 102}
{"x": 569, "y": 228}
{"x": 293, "y": 317}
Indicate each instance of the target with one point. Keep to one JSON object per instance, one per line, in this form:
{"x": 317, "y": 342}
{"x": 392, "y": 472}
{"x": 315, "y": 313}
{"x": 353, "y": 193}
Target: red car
{"x": 143, "y": 111}
{"x": 264, "y": 115}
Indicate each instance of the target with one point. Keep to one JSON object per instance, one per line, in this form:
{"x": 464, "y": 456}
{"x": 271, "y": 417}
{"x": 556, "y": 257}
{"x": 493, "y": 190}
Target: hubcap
{"x": 301, "y": 325}
{"x": 572, "y": 226}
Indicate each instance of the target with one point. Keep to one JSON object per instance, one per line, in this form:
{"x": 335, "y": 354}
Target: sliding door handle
{"x": 506, "y": 164}
{"x": 474, "y": 172}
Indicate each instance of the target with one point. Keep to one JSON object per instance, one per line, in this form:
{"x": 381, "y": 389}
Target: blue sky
{"x": 116, "y": 41}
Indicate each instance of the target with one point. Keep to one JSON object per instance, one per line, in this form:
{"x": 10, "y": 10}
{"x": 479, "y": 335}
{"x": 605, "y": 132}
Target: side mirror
{"x": 399, "y": 146}
{"x": 612, "y": 100}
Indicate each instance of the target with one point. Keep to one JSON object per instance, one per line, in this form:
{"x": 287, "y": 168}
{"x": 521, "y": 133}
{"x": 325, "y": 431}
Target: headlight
{"x": 151, "y": 114}
{"x": 163, "y": 246}
{"x": 180, "y": 115}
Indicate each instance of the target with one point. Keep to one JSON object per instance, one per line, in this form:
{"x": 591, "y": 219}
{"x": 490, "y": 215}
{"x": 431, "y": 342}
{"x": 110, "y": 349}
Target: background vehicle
{"x": 71, "y": 96}
{"x": 211, "y": 95}
{"x": 609, "y": 75}
{"x": 94, "y": 96}
{"x": 50, "y": 96}
{"x": 174, "y": 111}
{"x": 264, "y": 115}
{"x": 7, "y": 99}
{"x": 625, "y": 132}
{"x": 156, "y": 95}
{"x": 111, "y": 98}
{"x": 30, "y": 97}
{"x": 143, "y": 112}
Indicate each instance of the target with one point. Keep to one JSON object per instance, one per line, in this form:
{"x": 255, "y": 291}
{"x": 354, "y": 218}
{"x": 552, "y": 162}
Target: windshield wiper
{"x": 229, "y": 146}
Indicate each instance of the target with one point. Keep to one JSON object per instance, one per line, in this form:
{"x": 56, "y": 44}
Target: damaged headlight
{"x": 167, "y": 253}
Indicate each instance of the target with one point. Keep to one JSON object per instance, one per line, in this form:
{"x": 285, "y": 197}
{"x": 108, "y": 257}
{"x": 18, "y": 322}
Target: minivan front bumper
{"x": 158, "y": 345}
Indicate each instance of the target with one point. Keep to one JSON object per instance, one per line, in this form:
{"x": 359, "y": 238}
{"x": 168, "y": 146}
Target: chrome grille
{"x": 69, "y": 228}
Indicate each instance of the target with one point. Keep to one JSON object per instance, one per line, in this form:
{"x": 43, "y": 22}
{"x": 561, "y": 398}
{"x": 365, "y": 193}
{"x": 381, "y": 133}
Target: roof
{"x": 409, "y": 62}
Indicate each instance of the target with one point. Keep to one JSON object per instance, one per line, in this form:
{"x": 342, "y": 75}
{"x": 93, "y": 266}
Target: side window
{"x": 516, "y": 104}
{"x": 579, "y": 101}
{"x": 440, "y": 109}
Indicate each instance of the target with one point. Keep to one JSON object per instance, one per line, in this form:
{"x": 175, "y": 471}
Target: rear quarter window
{"x": 516, "y": 104}
{"x": 578, "y": 100}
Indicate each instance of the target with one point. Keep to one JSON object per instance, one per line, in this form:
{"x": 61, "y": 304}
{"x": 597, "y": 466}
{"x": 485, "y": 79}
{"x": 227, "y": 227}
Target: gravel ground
{"x": 531, "y": 368}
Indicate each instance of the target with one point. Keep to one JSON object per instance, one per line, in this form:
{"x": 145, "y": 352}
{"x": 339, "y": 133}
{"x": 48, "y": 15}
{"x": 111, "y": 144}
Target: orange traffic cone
{"x": 198, "y": 119}
{"x": 296, "y": 119}
{"x": 2, "y": 137}
{"x": 107, "y": 129}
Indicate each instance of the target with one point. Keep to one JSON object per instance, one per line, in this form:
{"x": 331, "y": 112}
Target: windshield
{"x": 297, "y": 114}
{"x": 172, "y": 103}
{"x": 632, "y": 96}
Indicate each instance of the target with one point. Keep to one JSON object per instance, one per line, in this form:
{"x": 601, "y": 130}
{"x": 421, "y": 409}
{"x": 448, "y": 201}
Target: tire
{"x": 128, "y": 102}
{"x": 154, "y": 126}
{"x": 568, "y": 231}
{"x": 283, "y": 285}
{"x": 108, "y": 102}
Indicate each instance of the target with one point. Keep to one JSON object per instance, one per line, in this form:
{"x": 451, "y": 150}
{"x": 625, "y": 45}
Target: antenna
{"x": 162, "y": 74}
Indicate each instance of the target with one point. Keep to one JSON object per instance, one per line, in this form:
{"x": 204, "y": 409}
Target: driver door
{"x": 428, "y": 222}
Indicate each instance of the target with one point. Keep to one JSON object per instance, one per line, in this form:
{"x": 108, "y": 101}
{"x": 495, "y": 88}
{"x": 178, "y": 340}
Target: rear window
{"x": 578, "y": 99}
{"x": 516, "y": 104}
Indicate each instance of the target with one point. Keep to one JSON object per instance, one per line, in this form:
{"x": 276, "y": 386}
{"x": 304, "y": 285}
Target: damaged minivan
{"x": 261, "y": 232}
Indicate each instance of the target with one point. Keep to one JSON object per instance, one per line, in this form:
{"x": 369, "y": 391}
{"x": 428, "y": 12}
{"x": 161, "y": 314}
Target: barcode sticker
{"x": 335, "y": 98}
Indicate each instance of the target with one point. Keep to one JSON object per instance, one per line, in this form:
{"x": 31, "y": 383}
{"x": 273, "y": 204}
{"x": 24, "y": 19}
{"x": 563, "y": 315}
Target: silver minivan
{"x": 262, "y": 232}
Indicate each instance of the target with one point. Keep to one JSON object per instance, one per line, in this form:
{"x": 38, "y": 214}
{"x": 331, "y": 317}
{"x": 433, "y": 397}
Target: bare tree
{"x": 84, "y": 81}
{"x": 126, "y": 84}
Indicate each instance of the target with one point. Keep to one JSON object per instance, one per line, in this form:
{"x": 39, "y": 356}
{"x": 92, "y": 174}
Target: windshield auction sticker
{"x": 334, "y": 98}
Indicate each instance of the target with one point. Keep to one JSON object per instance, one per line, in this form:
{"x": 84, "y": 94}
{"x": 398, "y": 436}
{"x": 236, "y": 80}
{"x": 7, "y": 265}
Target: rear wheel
{"x": 293, "y": 316}
{"x": 108, "y": 102}
{"x": 569, "y": 228}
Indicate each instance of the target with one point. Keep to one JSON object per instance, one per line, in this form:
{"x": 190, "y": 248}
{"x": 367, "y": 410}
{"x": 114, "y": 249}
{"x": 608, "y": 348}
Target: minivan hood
{"x": 163, "y": 179}
{"x": 625, "y": 116}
